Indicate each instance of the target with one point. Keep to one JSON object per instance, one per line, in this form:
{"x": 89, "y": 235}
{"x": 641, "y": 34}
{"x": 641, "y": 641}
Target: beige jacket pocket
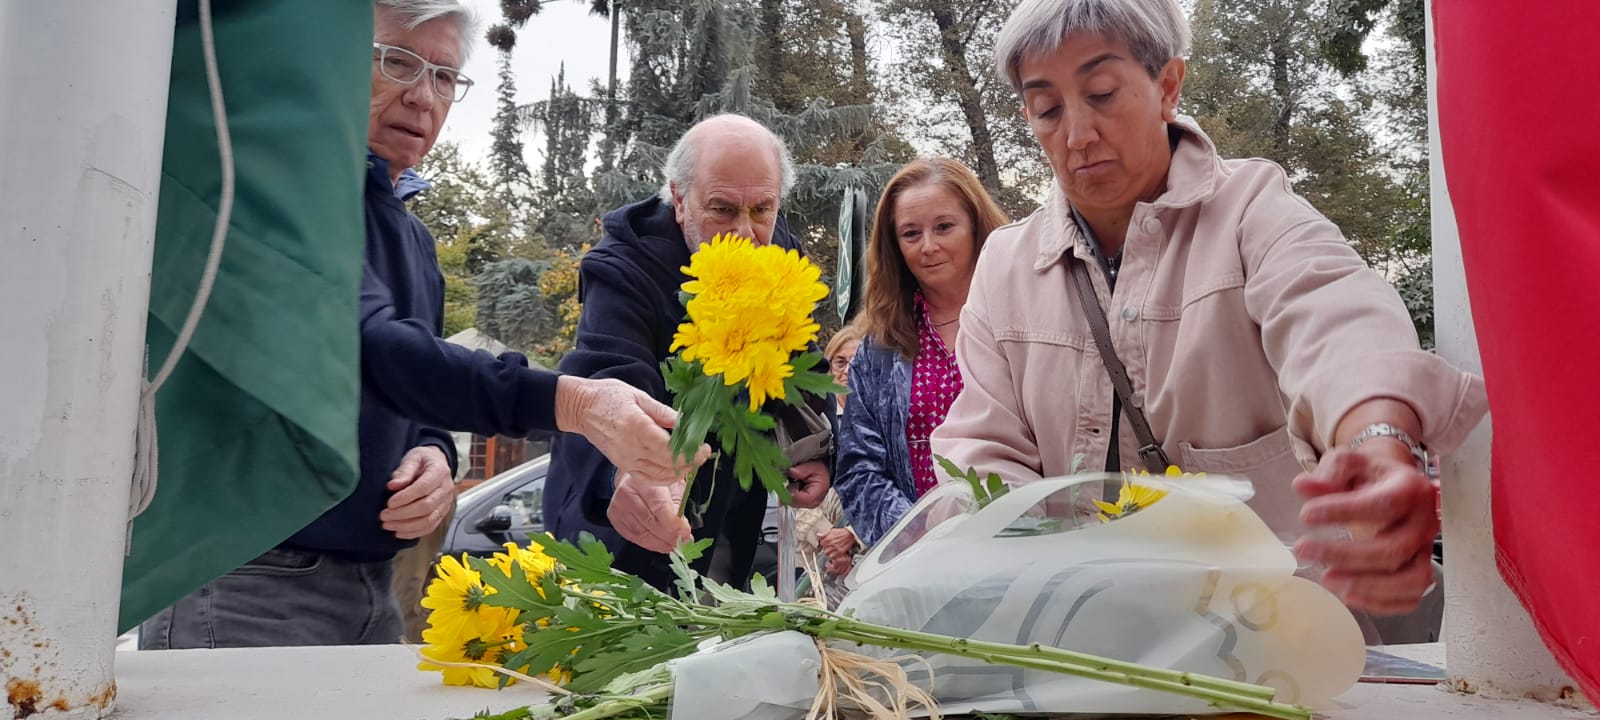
{"x": 1269, "y": 463}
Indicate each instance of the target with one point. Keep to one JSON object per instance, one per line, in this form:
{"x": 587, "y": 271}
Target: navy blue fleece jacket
{"x": 414, "y": 385}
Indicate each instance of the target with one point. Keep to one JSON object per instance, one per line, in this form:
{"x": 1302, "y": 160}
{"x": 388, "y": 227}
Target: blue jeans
{"x": 284, "y": 597}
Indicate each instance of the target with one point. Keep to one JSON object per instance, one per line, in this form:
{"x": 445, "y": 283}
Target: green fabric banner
{"x": 258, "y": 422}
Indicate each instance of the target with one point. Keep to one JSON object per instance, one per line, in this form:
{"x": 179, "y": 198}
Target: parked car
{"x": 510, "y": 506}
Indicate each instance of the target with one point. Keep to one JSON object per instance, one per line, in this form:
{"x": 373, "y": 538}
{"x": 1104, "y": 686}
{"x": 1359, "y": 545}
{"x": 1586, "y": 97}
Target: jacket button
{"x": 1137, "y": 398}
{"x": 1130, "y": 314}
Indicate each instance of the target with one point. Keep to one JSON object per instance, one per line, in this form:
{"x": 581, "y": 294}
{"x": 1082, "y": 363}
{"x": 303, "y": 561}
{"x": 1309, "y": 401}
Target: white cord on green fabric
{"x": 145, "y": 450}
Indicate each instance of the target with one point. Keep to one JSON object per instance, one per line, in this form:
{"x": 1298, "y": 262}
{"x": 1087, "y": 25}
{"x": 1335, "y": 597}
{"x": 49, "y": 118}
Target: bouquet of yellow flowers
{"x": 609, "y": 640}
{"x": 745, "y": 341}
{"x": 467, "y": 634}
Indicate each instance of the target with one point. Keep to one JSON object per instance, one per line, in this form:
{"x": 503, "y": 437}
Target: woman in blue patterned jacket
{"x": 931, "y": 222}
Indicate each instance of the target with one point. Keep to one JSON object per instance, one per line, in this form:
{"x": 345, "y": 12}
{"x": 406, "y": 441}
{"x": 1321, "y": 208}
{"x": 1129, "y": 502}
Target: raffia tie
{"x": 853, "y": 681}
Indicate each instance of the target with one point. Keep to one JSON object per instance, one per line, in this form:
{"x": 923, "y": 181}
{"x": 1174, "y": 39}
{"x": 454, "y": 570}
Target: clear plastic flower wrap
{"x": 1191, "y": 581}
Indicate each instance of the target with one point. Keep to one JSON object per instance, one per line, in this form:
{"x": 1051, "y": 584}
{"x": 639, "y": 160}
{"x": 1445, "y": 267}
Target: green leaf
{"x": 949, "y": 467}
{"x": 589, "y": 561}
{"x": 642, "y": 649}
{"x": 997, "y": 487}
{"x": 697, "y": 406}
{"x": 984, "y": 491}
{"x": 574, "y": 635}
{"x": 805, "y": 361}
{"x": 682, "y": 557}
{"x": 760, "y": 588}
{"x": 512, "y": 590}
{"x": 816, "y": 383}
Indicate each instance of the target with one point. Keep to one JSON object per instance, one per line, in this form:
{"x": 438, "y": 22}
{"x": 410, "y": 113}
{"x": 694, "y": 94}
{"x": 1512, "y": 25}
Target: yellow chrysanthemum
{"x": 455, "y": 600}
{"x": 487, "y": 643}
{"x": 750, "y": 312}
{"x": 1135, "y": 497}
{"x": 535, "y": 564}
{"x": 462, "y": 628}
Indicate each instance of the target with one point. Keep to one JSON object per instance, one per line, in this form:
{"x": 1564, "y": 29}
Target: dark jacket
{"x": 413, "y": 384}
{"x": 628, "y": 285}
{"x": 873, "y": 475}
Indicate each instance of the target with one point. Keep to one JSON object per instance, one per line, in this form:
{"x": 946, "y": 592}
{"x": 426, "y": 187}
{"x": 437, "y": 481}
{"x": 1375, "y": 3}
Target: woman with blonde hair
{"x": 931, "y": 222}
{"x": 840, "y": 351}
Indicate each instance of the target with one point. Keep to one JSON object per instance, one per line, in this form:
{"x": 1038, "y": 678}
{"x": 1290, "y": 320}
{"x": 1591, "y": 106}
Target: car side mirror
{"x": 497, "y": 521}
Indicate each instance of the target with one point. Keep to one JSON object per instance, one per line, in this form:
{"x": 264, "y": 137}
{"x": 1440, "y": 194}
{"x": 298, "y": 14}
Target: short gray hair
{"x": 1156, "y": 31}
{"x": 679, "y": 168}
{"x": 413, "y": 13}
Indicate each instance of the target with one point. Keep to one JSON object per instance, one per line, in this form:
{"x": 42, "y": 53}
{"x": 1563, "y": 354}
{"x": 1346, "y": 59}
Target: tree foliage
{"x": 1258, "y": 83}
{"x": 1332, "y": 90}
{"x": 946, "y": 92}
{"x": 814, "y": 89}
{"x": 506, "y": 163}
{"x": 566, "y": 208}
{"x": 1262, "y": 83}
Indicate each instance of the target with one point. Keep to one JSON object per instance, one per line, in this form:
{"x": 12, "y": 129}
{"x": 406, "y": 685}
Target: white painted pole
{"x": 1491, "y": 647}
{"x": 83, "y": 98}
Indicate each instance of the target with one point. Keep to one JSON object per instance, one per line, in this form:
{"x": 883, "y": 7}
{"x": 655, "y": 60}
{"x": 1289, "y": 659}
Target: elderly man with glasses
{"x": 331, "y": 583}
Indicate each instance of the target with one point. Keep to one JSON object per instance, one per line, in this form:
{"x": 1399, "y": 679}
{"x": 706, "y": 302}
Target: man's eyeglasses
{"x": 406, "y": 67}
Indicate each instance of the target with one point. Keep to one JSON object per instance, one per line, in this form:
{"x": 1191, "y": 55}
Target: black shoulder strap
{"x": 1150, "y": 452}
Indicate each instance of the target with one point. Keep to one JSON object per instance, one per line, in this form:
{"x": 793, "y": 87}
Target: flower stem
{"x": 1219, "y": 692}
{"x": 639, "y": 700}
{"x": 873, "y": 634}
{"x": 1222, "y": 693}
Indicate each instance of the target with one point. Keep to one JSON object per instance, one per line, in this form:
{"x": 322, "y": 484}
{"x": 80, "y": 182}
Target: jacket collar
{"x": 1192, "y": 178}
{"x": 408, "y": 184}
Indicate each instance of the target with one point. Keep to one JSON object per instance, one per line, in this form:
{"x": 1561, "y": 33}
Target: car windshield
{"x": 506, "y": 481}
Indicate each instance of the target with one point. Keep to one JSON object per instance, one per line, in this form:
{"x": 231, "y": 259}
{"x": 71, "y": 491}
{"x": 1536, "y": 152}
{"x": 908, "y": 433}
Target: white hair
{"x": 1156, "y": 31}
{"x": 413, "y": 13}
{"x": 678, "y": 170}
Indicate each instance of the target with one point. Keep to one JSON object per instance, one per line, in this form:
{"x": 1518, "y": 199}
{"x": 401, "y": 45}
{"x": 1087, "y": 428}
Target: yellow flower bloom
{"x": 1135, "y": 497}
{"x": 750, "y": 312}
{"x": 462, "y": 628}
{"x": 1131, "y": 499}
{"x": 455, "y": 600}
{"x": 535, "y": 564}
{"x": 487, "y": 643}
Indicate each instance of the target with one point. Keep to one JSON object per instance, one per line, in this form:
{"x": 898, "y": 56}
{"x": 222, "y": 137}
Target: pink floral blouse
{"x": 935, "y": 382}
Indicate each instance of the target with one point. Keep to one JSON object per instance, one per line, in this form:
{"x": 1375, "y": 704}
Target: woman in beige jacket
{"x": 1256, "y": 342}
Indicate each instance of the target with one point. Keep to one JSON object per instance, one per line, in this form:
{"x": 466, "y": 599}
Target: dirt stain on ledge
{"x": 23, "y": 696}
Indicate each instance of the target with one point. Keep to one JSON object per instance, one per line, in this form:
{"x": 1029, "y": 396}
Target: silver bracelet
{"x": 1419, "y": 452}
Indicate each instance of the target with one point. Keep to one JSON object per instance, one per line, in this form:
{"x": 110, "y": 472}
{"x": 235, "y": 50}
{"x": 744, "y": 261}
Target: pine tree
{"x": 511, "y": 307}
{"x": 567, "y": 210}
{"x": 510, "y": 169}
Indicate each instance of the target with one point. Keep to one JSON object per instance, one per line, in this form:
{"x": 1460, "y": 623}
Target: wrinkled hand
{"x": 422, "y": 492}
{"x": 645, "y": 513}
{"x": 626, "y": 425}
{"x": 840, "y": 546}
{"x": 1391, "y": 511}
{"x": 809, "y": 483}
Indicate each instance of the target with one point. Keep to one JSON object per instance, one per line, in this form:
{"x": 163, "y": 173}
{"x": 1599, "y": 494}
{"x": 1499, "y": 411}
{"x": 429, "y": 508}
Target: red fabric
{"x": 1521, "y": 147}
{"x": 935, "y": 383}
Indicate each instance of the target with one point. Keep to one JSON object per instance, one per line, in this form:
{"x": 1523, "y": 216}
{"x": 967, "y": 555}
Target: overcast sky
{"x": 563, "y": 31}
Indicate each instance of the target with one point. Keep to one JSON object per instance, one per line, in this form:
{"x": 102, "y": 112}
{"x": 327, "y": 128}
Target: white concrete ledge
{"x": 380, "y": 681}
